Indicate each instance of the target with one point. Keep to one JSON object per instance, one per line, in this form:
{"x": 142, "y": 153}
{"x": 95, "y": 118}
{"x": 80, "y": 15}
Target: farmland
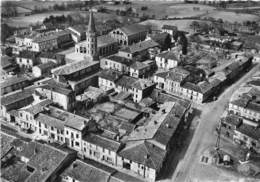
{"x": 232, "y": 16}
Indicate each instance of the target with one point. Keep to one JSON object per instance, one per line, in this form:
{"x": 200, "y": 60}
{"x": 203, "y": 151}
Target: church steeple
{"x": 91, "y": 23}
{"x": 91, "y": 38}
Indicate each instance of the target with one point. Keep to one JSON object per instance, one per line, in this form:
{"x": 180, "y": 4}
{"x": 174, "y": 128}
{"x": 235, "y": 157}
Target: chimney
{"x": 117, "y": 138}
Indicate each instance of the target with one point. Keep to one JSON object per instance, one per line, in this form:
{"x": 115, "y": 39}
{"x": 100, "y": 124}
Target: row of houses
{"x": 177, "y": 81}
{"x": 23, "y": 160}
{"x": 50, "y": 123}
{"x": 46, "y": 41}
{"x": 240, "y": 122}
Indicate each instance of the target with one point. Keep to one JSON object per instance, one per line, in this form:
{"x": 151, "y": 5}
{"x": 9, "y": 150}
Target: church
{"x": 79, "y": 74}
{"x": 95, "y": 46}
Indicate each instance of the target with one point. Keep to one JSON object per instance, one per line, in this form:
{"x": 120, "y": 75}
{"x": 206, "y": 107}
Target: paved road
{"x": 204, "y": 137}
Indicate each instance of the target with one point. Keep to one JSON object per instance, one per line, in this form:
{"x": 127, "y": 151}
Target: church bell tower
{"x": 91, "y": 38}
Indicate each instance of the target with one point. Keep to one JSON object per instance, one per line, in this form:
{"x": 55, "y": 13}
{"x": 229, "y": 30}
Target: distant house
{"x": 129, "y": 34}
{"x": 139, "y": 49}
{"x": 162, "y": 38}
{"x": 116, "y": 62}
{"x": 142, "y": 69}
{"x": 13, "y": 83}
{"x": 31, "y": 157}
{"x": 172, "y": 30}
{"x": 8, "y": 65}
{"x": 78, "y": 33}
{"x": 14, "y": 101}
{"x": 60, "y": 94}
{"x": 27, "y": 59}
{"x": 167, "y": 60}
{"x": 78, "y": 75}
{"x": 43, "y": 69}
{"x": 107, "y": 79}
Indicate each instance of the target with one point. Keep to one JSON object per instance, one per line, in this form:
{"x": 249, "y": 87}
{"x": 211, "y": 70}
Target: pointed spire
{"x": 91, "y": 23}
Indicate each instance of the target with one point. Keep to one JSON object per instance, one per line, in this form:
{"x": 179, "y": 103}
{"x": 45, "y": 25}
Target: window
{"x": 21, "y": 114}
{"x": 77, "y": 143}
{"x": 67, "y": 132}
{"x": 77, "y": 135}
{"x": 39, "y": 124}
{"x": 52, "y": 128}
{"x": 28, "y": 61}
{"x": 45, "y": 125}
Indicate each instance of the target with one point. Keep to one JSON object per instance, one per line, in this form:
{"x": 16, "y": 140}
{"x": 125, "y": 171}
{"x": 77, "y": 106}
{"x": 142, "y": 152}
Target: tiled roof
{"x": 168, "y": 55}
{"x": 123, "y": 177}
{"x": 44, "y": 160}
{"x": 17, "y": 96}
{"x": 142, "y": 84}
{"x": 50, "y": 121}
{"x": 79, "y": 28}
{"x": 28, "y": 54}
{"x": 126, "y": 81}
{"x": 120, "y": 59}
{"x": 37, "y": 108}
{"x": 73, "y": 67}
{"x": 56, "y": 88}
{"x": 51, "y": 55}
{"x": 88, "y": 171}
{"x": 102, "y": 142}
{"x": 46, "y": 66}
{"x": 232, "y": 120}
{"x": 140, "y": 46}
{"x": 250, "y": 131}
{"x": 168, "y": 127}
{"x": 110, "y": 75}
{"x": 14, "y": 80}
{"x": 138, "y": 65}
{"x": 105, "y": 40}
{"x": 6, "y": 61}
{"x": 6, "y": 144}
{"x": 145, "y": 153}
{"x": 134, "y": 29}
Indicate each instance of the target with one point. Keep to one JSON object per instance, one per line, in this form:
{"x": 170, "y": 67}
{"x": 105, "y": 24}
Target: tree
{"x": 167, "y": 42}
{"x": 6, "y": 31}
{"x": 194, "y": 25}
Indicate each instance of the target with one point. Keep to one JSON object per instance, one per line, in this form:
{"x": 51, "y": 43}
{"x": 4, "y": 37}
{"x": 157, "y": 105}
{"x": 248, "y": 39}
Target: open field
{"x": 232, "y": 16}
{"x": 24, "y": 21}
{"x": 188, "y": 10}
{"x": 165, "y": 8}
{"x": 183, "y": 25}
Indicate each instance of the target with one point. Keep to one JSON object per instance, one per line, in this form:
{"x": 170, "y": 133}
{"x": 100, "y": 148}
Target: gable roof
{"x": 86, "y": 171}
{"x": 73, "y": 67}
{"x": 145, "y": 153}
{"x": 140, "y": 46}
{"x": 102, "y": 142}
{"x": 133, "y": 29}
{"x": 120, "y": 59}
{"x": 37, "y": 108}
{"x": 111, "y": 75}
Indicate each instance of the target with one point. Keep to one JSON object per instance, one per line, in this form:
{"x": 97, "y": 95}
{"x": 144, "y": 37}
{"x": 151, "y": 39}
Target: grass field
{"x": 187, "y": 10}
{"x": 24, "y": 21}
{"x": 232, "y": 16}
{"x": 183, "y": 25}
{"x": 165, "y": 8}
